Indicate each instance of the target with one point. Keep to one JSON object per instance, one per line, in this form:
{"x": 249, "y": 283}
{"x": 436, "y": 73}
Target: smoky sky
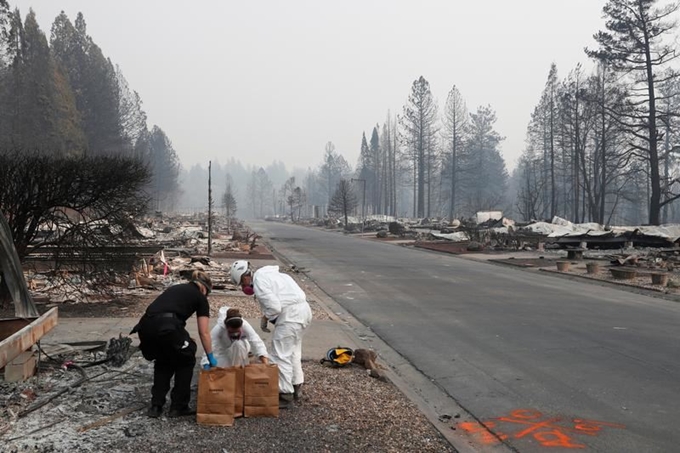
{"x": 275, "y": 80}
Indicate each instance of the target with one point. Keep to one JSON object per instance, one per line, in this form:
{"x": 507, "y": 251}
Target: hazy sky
{"x": 264, "y": 80}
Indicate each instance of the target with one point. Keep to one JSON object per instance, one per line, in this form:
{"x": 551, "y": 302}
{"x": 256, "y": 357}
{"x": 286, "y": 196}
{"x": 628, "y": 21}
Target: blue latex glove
{"x": 211, "y": 360}
{"x": 206, "y": 366}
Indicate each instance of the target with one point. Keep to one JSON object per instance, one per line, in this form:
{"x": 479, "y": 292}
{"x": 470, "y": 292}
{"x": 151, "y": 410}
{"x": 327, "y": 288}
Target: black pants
{"x": 166, "y": 341}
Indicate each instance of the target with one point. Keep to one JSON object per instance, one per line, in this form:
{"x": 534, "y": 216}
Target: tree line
{"x": 63, "y": 97}
{"x": 602, "y": 146}
{"x": 418, "y": 164}
{"x": 78, "y": 162}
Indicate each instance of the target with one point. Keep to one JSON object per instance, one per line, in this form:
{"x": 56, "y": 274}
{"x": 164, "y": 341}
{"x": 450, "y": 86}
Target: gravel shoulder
{"x": 342, "y": 410}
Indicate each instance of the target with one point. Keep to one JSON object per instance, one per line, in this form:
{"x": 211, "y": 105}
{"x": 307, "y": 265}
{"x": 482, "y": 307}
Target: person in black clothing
{"x": 163, "y": 338}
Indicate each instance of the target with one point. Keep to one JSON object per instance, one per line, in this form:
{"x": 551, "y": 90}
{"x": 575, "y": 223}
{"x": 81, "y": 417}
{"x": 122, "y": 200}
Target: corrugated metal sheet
{"x": 24, "y": 307}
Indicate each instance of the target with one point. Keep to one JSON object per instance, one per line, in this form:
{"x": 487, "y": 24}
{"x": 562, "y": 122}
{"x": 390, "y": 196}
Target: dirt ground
{"x": 342, "y": 409}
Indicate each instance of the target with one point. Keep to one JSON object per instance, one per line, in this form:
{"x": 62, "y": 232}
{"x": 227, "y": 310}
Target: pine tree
{"x": 156, "y": 150}
{"x": 366, "y": 168}
{"x": 390, "y": 145}
{"x": 93, "y": 79}
{"x": 343, "y": 201}
{"x": 5, "y": 27}
{"x": 132, "y": 116}
{"x": 486, "y": 165}
{"x": 455, "y": 124}
{"x": 43, "y": 116}
{"x": 378, "y": 169}
{"x": 260, "y": 190}
{"x": 333, "y": 168}
{"x": 418, "y": 135}
{"x": 229, "y": 202}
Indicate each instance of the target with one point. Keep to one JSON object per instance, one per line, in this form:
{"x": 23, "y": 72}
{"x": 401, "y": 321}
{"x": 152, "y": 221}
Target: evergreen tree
{"x": 455, "y": 124}
{"x": 390, "y": 147}
{"x": 486, "y": 167}
{"x": 378, "y": 179}
{"x": 229, "y": 202}
{"x": 343, "y": 201}
{"x": 43, "y": 116}
{"x": 132, "y": 116}
{"x": 259, "y": 190}
{"x": 93, "y": 79}
{"x": 333, "y": 168}
{"x": 5, "y": 27}
{"x": 418, "y": 135}
{"x": 366, "y": 169}
{"x": 158, "y": 153}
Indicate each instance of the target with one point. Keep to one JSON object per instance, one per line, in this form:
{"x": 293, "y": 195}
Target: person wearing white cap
{"x": 284, "y": 304}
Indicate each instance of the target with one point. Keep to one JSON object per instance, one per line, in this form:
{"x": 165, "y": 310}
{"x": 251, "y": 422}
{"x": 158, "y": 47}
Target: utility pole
{"x": 363, "y": 201}
{"x": 210, "y": 204}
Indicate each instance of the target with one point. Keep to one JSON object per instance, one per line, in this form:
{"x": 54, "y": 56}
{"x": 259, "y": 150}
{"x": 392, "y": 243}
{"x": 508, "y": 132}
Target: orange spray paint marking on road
{"x": 485, "y": 433}
{"x": 548, "y": 432}
{"x": 593, "y": 427}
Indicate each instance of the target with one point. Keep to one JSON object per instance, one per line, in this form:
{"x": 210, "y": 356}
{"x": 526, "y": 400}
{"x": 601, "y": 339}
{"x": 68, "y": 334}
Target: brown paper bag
{"x": 240, "y": 391}
{"x": 216, "y": 394}
{"x": 261, "y": 388}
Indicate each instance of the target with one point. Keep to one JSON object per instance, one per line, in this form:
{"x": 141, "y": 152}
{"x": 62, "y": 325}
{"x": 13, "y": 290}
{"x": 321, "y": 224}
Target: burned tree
{"x": 295, "y": 201}
{"x": 635, "y": 45}
{"x": 57, "y": 202}
{"x": 455, "y": 125}
{"x": 419, "y": 132}
{"x": 344, "y": 200}
{"x": 229, "y": 202}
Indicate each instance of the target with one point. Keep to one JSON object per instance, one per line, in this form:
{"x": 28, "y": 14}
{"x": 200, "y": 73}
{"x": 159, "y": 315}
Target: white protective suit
{"x": 234, "y": 353}
{"x": 283, "y": 302}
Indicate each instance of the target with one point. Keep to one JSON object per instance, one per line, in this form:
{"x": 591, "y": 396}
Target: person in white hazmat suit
{"x": 283, "y": 304}
{"x": 233, "y": 339}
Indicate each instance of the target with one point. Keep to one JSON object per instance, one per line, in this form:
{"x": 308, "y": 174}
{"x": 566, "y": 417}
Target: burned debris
{"x": 645, "y": 256}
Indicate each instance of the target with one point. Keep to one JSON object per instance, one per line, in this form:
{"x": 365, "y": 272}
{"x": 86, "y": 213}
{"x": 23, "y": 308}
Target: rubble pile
{"x": 164, "y": 251}
{"x": 490, "y": 231}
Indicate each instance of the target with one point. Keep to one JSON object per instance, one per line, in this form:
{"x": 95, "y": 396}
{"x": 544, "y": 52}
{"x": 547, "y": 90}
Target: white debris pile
{"x": 459, "y": 236}
{"x": 81, "y": 406}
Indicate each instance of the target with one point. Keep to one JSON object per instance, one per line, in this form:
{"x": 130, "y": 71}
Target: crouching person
{"x": 233, "y": 339}
{"x": 164, "y": 339}
{"x": 284, "y": 304}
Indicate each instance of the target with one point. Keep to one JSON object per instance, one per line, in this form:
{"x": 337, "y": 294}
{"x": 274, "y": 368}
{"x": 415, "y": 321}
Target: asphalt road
{"x": 546, "y": 363}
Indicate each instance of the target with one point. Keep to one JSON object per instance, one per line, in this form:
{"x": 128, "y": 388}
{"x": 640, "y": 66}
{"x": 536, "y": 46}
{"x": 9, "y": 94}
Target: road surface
{"x": 548, "y": 364}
